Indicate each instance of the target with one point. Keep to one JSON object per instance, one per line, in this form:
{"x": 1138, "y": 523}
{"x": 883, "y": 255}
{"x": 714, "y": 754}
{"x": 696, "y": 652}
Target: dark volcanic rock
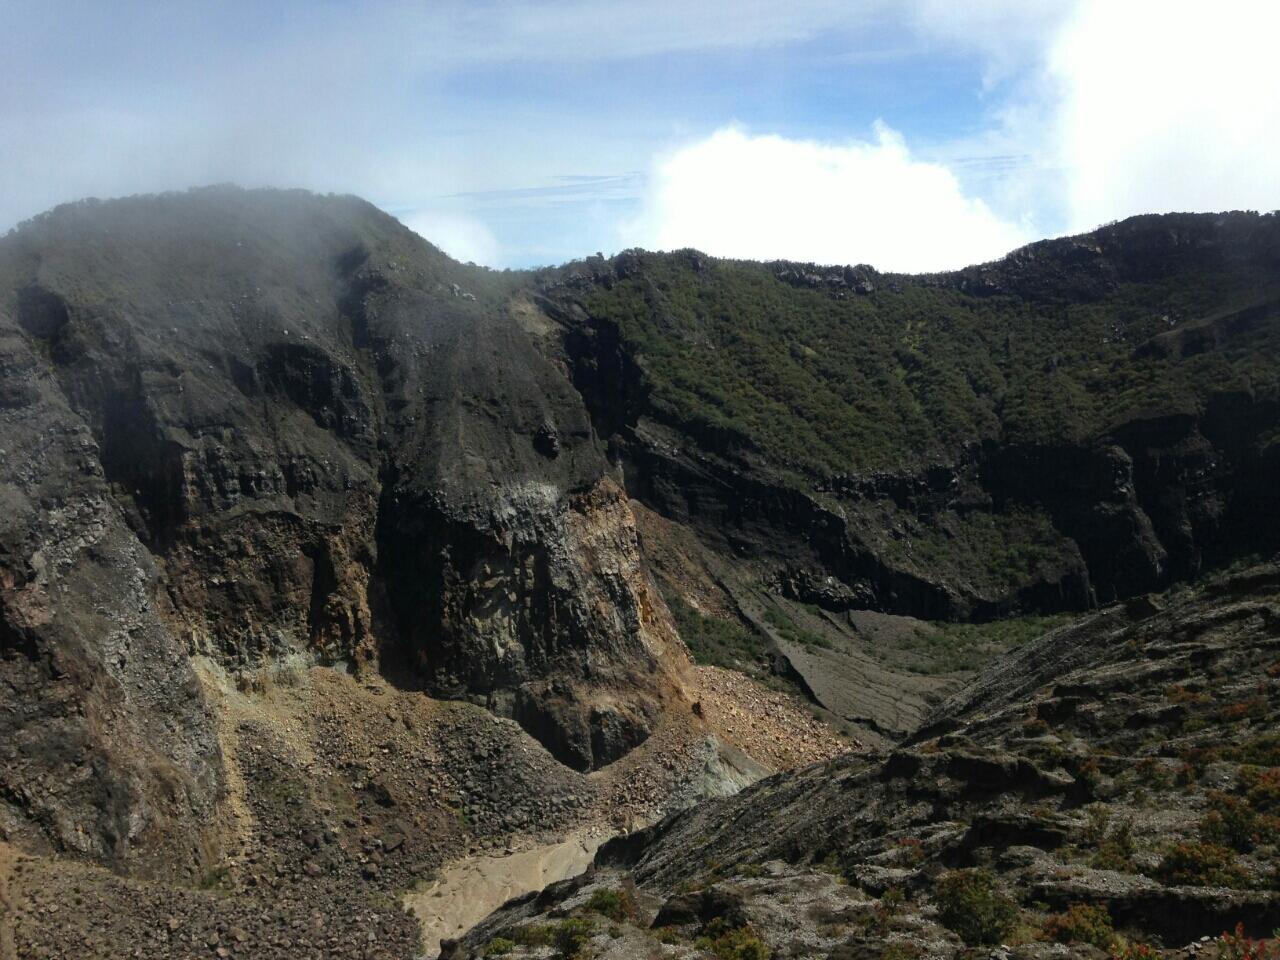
{"x": 250, "y": 424}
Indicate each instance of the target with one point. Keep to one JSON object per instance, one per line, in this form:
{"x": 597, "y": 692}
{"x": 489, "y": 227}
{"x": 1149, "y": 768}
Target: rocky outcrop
{"x": 257, "y": 425}
{"x": 106, "y": 746}
{"x": 1139, "y": 249}
{"x": 838, "y": 281}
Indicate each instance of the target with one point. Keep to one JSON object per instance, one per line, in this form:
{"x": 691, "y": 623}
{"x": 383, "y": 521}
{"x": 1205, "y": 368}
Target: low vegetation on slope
{"x": 1086, "y": 419}
{"x": 916, "y": 367}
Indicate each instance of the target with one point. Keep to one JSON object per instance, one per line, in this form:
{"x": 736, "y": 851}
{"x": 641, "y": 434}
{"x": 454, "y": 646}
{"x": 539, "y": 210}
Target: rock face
{"x": 249, "y": 425}
{"x": 244, "y": 429}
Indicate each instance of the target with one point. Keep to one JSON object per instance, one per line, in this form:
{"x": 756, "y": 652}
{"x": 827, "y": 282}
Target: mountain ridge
{"x": 731, "y": 435}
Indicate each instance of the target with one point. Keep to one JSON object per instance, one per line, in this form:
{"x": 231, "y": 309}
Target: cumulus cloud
{"x": 1167, "y": 105}
{"x": 1097, "y": 111}
{"x": 733, "y": 194}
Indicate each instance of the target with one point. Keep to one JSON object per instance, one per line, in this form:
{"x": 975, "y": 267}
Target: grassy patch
{"x": 1081, "y": 923}
{"x": 616, "y": 905}
{"x": 1259, "y": 751}
{"x": 792, "y": 632}
{"x": 951, "y": 647}
{"x": 971, "y": 903}
{"x": 713, "y": 641}
{"x": 1230, "y": 822}
{"x": 726, "y": 942}
{"x": 571, "y": 936}
{"x": 1198, "y": 864}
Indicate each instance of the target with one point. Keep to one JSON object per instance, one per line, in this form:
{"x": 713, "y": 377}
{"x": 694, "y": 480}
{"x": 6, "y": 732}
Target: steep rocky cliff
{"x": 253, "y": 425}
{"x": 1086, "y": 420}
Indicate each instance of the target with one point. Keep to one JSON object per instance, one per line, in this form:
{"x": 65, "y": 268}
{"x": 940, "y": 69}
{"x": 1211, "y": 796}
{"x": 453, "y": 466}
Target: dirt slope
{"x": 1128, "y": 762}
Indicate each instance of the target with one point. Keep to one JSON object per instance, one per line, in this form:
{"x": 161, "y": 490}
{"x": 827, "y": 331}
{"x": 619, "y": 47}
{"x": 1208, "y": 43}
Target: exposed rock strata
{"x": 250, "y": 426}
{"x": 258, "y": 431}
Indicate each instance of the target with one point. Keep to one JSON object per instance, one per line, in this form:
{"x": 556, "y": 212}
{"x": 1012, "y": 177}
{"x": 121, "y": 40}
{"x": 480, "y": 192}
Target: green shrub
{"x": 878, "y": 920}
{"x": 1177, "y": 693}
{"x": 1152, "y": 772}
{"x": 1114, "y": 841}
{"x": 1261, "y": 751}
{"x": 1229, "y": 823}
{"x": 732, "y": 943}
{"x": 971, "y": 903}
{"x": 617, "y": 905}
{"x": 1187, "y": 774}
{"x": 571, "y": 936}
{"x": 1197, "y": 864}
{"x": 534, "y": 935}
{"x": 1264, "y": 790}
{"x": 1082, "y": 923}
{"x": 1113, "y": 856}
{"x": 713, "y": 641}
{"x": 1097, "y": 820}
{"x": 891, "y": 900}
{"x": 1035, "y": 727}
{"x": 499, "y": 947}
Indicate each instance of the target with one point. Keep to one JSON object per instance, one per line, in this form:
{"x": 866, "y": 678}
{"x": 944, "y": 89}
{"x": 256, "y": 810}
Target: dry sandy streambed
{"x": 468, "y": 891}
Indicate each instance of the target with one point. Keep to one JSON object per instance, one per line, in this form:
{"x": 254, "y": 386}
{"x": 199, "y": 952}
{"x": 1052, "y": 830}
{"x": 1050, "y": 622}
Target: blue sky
{"x": 914, "y": 134}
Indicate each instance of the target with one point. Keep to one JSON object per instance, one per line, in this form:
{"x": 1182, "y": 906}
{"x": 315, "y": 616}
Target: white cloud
{"x": 460, "y": 236}
{"x": 767, "y": 197}
{"x": 1167, "y": 105}
{"x": 1091, "y": 110}
{"x": 1117, "y": 109}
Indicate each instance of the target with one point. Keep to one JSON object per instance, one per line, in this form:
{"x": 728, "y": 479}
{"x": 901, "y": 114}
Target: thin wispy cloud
{"x": 563, "y": 187}
{"x": 513, "y": 131}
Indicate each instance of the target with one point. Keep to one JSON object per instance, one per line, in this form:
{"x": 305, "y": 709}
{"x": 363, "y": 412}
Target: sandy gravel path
{"x": 8, "y": 903}
{"x": 469, "y": 890}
